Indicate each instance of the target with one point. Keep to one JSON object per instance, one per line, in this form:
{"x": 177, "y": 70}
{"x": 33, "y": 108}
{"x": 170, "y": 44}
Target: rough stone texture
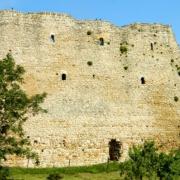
{"x": 99, "y": 102}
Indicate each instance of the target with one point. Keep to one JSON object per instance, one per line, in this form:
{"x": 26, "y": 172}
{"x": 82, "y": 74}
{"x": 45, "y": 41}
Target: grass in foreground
{"x": 78, "y": 176}
{"x": 95, "y": 172}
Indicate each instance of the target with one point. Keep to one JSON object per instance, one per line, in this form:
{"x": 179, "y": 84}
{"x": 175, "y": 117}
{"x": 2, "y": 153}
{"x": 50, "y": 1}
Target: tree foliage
{"x": 168, "y": 165}
{"x": 146, "y": 161}
{"x": 15, "y": 107}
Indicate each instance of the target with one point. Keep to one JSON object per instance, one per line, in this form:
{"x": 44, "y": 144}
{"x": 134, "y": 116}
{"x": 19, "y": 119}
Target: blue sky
{"x": 119, "y": 12}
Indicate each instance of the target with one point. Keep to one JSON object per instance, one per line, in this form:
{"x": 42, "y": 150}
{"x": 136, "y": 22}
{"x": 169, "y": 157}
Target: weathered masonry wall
{"x": 103, "y": 82}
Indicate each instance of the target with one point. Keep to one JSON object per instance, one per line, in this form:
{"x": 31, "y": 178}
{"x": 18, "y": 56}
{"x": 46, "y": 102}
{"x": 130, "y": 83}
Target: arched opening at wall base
{"x": 114, "y": 150}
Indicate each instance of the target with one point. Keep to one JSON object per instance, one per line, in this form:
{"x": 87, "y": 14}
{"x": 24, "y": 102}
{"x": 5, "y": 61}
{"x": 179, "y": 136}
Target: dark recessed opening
{"x": 52, "y": 37}
{"x": 143, "y": 80}
{"x": 89, "y": 63}
{"x": 152, "y": 47}
{"x": 63, "y": 77}
{"x": 89, "y": 33}
{"x": 64, "y": 143}
{"x": 114, "y": 150}
{"x": 101, "y": 41}
{"x": 35, "y": 141}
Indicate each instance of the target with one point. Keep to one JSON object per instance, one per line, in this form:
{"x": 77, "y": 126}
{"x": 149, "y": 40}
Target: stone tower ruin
{"x": 106, "y": 85}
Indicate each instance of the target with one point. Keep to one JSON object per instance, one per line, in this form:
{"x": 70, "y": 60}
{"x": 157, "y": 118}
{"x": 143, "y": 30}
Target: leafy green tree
{"x": 15, "y": 107}
{"x": 164, "y": 170}
{"x": 142, "y": 162}
{"x": 146, "y": 161}
{"x": 175, "y": 166}
{"x": 168, "y": 165}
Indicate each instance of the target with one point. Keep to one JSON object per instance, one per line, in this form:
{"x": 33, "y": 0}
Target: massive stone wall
{"x": 121, "y": 83}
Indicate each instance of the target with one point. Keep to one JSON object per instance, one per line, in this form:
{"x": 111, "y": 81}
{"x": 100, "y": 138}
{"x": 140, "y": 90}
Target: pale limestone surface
{"x": 95, "y": 103}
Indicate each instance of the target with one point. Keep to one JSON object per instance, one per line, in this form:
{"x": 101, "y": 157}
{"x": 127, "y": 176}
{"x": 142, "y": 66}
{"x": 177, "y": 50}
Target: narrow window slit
{"x": 52, "y": 37}
{"x": 63, "y": 76}
{"x": 143, "y": 80}
{"x": 152, "y": 48}
{"x": 101, "y": 41}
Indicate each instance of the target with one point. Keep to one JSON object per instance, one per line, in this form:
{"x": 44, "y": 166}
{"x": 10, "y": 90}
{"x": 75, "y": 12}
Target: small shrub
{"x": 54, "y": 176}
{"x": 89, "y": 63}
{"x": 4, "y": 173}
{"x": 125, "y": 67}
{"x": 178, "y": 69}
{"x": 123, "y": 49}
{"x": 176, "y": 98}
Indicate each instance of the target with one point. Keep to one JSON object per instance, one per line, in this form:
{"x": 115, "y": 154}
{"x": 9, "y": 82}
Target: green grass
{"x": 99, "y": 171}
{"x": 95, "y": 172}
{"x": 113, "y": 166}
{"x": 78, "y": 176}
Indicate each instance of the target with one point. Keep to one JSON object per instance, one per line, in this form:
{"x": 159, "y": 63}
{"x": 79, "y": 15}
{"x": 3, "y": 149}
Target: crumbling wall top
{"x": 138, "y": 26}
